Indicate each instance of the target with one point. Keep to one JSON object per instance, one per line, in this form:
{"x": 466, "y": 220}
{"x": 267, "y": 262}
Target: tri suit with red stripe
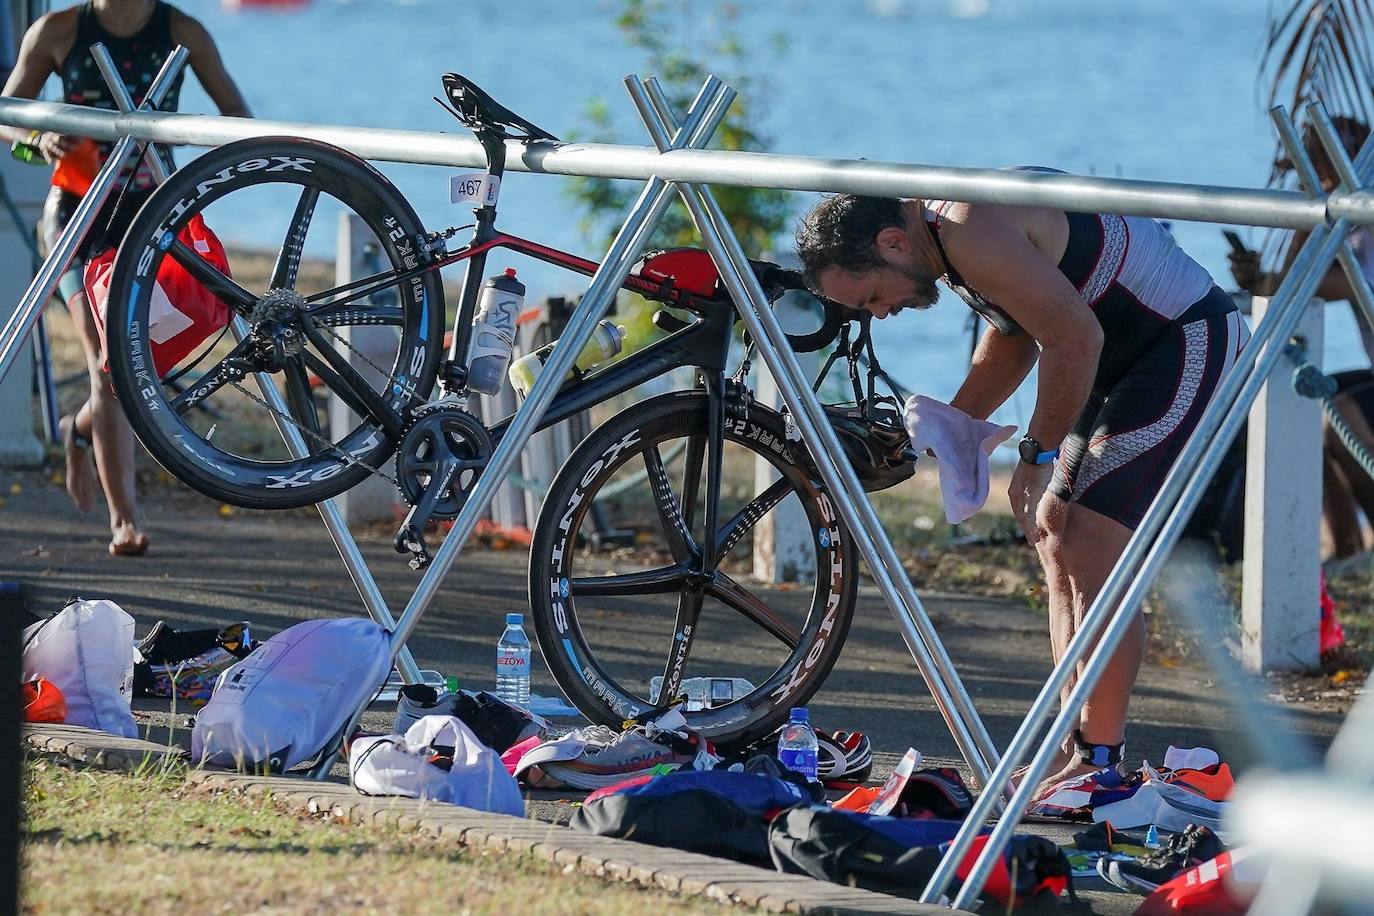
{"x": 1169, "y": 335}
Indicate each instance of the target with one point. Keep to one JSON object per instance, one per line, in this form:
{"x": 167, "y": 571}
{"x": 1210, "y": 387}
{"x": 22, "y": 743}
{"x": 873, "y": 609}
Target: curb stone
{"x": 657, "y": 867}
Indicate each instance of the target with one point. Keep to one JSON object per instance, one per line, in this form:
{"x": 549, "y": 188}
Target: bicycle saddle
{"x": 480, "y": 111}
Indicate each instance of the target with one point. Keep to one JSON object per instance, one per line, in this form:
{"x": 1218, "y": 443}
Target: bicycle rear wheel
{"x": 609, "y": 622}
{"x": 376, "y": 347}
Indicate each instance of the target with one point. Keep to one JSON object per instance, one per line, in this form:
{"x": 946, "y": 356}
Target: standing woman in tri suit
{"x": 140, "y": 35}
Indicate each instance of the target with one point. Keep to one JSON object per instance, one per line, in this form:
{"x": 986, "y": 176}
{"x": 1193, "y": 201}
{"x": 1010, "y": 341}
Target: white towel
{"x": 961, "y": 445}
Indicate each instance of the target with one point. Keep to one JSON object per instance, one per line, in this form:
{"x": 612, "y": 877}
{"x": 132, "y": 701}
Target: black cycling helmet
{"x": 876, "y": 443}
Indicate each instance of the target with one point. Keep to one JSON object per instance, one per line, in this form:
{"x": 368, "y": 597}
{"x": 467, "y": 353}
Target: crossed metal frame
{"x": 1295, "y": 882}
{"x": 16, "y": 331}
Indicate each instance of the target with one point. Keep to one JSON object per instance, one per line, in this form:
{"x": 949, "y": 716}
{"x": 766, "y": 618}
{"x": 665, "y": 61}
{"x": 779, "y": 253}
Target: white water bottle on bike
{"x": 493, "y": 331}
{"x": 513, "y": 663}
{"x": 797, "y": 745}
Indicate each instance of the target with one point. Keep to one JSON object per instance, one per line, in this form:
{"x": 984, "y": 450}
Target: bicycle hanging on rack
{"x": 602, "y": 633}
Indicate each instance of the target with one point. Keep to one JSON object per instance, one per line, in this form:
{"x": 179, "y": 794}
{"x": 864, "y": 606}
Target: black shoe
{"x": 1186, "y": 850}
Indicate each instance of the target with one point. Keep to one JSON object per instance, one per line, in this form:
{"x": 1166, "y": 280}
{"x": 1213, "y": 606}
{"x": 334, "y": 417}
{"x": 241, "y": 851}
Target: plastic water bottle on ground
{"x": 513, "y": 663}
{"x": 797, "y": 746}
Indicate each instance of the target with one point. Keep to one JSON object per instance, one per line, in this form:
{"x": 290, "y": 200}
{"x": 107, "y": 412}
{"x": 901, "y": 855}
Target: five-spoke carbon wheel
{"x": 608, "y": 622}
{"x": 375, "y": 343}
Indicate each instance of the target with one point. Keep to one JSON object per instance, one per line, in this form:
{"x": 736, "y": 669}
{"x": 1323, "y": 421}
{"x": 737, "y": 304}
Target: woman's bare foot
{"x": 82, "y": 482}
{"x": 127, "y": 540}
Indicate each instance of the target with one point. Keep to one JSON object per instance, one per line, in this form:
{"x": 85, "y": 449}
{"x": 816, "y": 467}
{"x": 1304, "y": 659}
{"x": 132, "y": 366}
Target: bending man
{"x": 1132, "y": 337}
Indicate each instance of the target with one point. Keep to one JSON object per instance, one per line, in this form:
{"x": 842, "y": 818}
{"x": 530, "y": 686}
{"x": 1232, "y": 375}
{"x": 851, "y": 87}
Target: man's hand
{"x": 1245, "y": 268}
{"x": 1027, "y": 493}
{"x": 54, "y": 146}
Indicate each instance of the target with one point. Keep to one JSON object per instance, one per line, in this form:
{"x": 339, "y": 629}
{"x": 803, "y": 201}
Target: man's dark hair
{"x": 841, "y": 231}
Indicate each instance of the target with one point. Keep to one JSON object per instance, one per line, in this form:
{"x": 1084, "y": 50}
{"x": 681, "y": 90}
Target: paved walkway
{"x": 207, "y": 568}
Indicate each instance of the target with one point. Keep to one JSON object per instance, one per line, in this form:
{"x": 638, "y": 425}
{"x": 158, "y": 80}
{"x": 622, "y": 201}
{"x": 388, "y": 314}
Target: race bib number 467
{"x": 474, "y": 187}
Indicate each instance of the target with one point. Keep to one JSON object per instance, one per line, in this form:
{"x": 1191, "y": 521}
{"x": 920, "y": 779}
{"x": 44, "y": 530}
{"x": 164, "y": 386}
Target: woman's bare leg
{"x": 102, "y": 421}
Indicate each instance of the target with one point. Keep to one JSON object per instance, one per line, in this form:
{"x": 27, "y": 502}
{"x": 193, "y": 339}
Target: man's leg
{"x": 1338, "y": 502}
{"x": 1059, "y": 594}
{"x": 1085, "y": 552}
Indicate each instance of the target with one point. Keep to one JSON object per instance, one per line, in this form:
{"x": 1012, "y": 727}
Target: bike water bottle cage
{"x": 1099, "y": 755}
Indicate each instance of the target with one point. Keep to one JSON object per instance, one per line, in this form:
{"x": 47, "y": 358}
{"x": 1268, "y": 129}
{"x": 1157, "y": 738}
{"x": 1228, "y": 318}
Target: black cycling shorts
{"x": 1116, "y": 458}
{"x": 107, "y": 231}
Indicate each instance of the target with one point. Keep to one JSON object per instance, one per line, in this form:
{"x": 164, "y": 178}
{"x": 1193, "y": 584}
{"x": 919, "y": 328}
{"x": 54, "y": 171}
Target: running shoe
{"x": 1186, "y": 850}
{"x": 496, "y": 723}
{"x": 187, "y": 664}
{"x": 594, "y": 757}
{"x": 840, "y": 756}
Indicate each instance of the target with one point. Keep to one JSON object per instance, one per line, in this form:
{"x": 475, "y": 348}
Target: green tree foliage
{"x": 669, "y": 32}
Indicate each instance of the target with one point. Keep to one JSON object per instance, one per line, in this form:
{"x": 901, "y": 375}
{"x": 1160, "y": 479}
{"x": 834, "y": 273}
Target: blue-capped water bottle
{"x": 797, "y": 745}
{"x": 513, "y": 663}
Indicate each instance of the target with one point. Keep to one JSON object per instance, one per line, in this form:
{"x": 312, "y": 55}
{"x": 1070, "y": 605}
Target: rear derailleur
{"x": 443, "y": 452}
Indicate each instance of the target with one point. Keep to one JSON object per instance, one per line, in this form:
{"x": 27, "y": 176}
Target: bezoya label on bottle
{"x": 512, "y": 665}
{"x": 474, "y": 187}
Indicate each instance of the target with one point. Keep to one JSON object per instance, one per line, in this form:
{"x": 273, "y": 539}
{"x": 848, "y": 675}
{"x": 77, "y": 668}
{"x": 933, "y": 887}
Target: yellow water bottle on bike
{"x": 607, "y": 341}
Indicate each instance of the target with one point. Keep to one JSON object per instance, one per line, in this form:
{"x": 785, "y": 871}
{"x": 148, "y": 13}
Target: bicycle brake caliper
{"x": 738, "y": 399}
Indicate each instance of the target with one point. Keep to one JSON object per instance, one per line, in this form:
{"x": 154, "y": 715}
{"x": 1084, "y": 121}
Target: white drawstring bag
{"x": 282, "y": 704}
{"x": 87, "y": 650}
{"x": 399, "y": 765}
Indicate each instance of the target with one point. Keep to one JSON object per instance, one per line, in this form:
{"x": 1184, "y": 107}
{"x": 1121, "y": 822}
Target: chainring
{"x": 439, "y": 433}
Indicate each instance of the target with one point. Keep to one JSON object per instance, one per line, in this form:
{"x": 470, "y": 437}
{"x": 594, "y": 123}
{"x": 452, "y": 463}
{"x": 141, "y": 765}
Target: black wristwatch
{"x": 1031, "y": 453}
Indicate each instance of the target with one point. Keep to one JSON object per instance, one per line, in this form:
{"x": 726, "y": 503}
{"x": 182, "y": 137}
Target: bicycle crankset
{"x": 444, "y": 450}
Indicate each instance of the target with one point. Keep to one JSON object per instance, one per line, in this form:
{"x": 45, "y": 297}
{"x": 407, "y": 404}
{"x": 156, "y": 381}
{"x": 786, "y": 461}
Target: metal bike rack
{"x": 682, "y": 161}
{"x": 694, "y": 132}
{"x": 886, "y": 567}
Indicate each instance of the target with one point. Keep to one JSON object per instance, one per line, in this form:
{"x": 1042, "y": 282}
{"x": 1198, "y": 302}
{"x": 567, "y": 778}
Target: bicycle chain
{"x": 331, "y": 446}
{"x": 391, "y": 379}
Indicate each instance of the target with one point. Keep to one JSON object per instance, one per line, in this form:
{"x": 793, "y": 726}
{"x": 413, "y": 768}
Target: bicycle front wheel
{"x": 609, "y": 622}
{"x": 376, "y": 345}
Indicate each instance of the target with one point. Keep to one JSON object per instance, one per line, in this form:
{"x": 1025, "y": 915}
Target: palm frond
{"x": 1320, "y": 51}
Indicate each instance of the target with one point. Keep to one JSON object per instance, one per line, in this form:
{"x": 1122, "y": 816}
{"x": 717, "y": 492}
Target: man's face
{"x": 883, "y": 291}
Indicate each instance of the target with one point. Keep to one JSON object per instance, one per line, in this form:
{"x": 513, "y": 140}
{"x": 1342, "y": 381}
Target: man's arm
{"x": 996, "y": 257}
{"x": 999, "y": 365}
{"x": 209, "y": 66}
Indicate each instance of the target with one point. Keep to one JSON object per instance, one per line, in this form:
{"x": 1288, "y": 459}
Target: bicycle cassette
{"x": 445, "y": 448}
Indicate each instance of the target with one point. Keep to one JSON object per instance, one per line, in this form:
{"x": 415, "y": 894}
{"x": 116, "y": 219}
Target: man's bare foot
{"x": 1060, "y": 761}
{"x": 82, "y": 482}
{"x": 1070, "y": 770}
{"x": 127, "y": 540}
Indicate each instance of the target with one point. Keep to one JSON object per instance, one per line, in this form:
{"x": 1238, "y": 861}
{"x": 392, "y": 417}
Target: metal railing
{"x": 1331, "y": 216}
{"x": 1165, "y": 200}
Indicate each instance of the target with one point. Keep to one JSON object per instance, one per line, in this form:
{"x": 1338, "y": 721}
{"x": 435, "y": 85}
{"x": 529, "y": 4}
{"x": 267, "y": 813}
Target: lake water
{"x": 1160, "y": 90}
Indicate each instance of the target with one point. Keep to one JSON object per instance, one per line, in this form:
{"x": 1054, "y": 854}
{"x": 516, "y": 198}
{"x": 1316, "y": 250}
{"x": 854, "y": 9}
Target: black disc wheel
{"x": 665, "y": 607}
{"x": 209, "y": 417}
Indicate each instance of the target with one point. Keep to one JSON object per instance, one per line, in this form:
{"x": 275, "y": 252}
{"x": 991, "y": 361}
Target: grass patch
{"x": 98, "y": 842}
